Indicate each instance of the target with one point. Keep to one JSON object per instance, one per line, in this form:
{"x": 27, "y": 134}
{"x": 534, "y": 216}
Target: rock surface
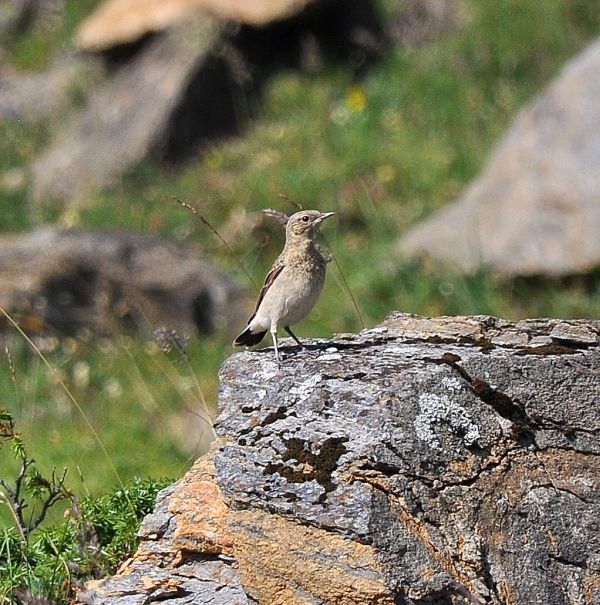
{"x": 160, "y": 571}
{"x": 535, "y": 209}
{"x": 447, "y": 460}
{"x": 110, "y": 282}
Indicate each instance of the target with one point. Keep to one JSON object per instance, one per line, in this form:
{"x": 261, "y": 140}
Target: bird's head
{"x": 305, "y": 223}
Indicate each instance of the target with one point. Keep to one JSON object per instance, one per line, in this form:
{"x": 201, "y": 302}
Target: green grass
{"x": 134, "y": 405}
{"x": 382, "y": 153}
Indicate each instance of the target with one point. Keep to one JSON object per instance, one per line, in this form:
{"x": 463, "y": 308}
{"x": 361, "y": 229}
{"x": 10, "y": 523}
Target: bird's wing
{"x": 276, "y": 269}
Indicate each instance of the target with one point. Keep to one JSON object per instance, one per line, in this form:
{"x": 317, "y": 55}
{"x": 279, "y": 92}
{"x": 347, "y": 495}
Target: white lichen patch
{"x": 303, "y": 390}
{"x": 378, "y": 330}
{"x": 452, "y": 383}
{"x": 439, "y": 409}
{"x": 505, "y": 425}
{"x": 330, "y": 357}
{"x": 268, "y": 371}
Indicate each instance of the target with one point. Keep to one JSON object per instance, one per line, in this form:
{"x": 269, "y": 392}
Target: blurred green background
{"x": 382, "y": 151}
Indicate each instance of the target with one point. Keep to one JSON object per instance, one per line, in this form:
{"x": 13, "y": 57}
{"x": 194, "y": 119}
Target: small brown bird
{"x": 293, "y": 284}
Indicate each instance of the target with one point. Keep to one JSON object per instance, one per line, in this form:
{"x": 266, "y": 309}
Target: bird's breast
{"x": 294, "y": 292}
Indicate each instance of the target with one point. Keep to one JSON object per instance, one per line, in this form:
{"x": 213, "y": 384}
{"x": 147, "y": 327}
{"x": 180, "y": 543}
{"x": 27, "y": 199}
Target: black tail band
{"x": 248, "y": 339}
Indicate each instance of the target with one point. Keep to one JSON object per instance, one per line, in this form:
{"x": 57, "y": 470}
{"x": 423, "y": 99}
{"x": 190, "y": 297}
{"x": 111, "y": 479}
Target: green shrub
{"x": 95, "y": 536}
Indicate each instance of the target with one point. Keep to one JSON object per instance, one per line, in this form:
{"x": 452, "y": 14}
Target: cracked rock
{"x": 437, "y": 460}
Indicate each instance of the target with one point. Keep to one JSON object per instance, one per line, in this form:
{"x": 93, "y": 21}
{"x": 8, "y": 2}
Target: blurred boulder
{"x": 535, "y": 209}
{"x": 173, "y": 91}
{"x": 416, "y": 22}
{"x": 109, "y": 282}
{"x": 11, "y": 14}
{"x": 125, "y": 21}
{"x": 124, "y": 117}
{"x": 17, "y": 16}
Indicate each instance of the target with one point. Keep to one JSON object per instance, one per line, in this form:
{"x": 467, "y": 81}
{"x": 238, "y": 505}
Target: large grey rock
{"x": 446, "y": 461}
{"x": 535, "y": 209}
{"x": 110, "y": 281}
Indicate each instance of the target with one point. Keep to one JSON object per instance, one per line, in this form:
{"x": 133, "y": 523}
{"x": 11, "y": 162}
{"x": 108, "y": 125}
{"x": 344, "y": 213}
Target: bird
{"x": 292, "y": 286}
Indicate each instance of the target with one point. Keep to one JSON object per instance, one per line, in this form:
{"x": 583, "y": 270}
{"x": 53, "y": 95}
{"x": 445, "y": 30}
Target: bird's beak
{"x": 323, "y": 216}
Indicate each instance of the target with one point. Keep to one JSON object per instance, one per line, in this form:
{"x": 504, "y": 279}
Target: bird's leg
{"x": 274, "y": 337}
{"x": 297, "y": 340}
{"x": 311, "y": 353}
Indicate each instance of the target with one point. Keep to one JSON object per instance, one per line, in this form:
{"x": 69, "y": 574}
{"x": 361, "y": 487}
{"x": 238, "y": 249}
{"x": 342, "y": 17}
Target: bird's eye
{"x": 305, "y": 219}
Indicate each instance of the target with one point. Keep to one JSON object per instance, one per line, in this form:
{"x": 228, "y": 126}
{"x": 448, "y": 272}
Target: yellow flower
{"x": 356, "y": 98}
{"x": 385, "y": 173}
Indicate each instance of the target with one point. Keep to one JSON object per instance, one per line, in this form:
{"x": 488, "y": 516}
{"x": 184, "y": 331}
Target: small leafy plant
{"x": 29, "y": 485}
{"x": 40, "y": 564}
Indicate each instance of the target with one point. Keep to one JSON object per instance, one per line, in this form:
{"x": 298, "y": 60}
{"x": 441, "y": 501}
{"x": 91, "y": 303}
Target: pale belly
{"x": 290, "y": 299}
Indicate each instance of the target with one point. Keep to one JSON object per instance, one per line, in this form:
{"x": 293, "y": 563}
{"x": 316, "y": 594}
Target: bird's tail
{"x": 248, "y": 338}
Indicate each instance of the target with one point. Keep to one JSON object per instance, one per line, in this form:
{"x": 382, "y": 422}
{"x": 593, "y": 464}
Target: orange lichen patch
{"x": 591, "y": 588}
{"x": 464, "y": 468}
{"x": 124, "y": 21}
{"x": 149, "y": 582}
{"x": 568, "y": 470}
{"x": 284, "y": 563}
{"x": 127, "y": 566}
{"x": 503, "y": 589}
{"x": 200, "y": 511}
{"x": 571, "y": 471}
